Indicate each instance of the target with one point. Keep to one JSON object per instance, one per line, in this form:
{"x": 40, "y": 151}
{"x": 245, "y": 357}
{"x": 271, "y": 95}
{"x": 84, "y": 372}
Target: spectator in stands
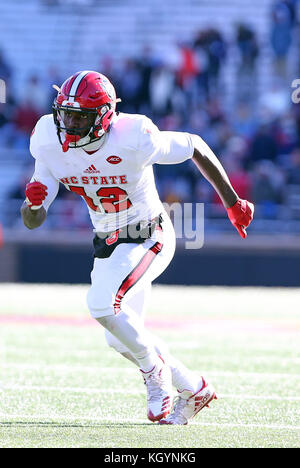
{"x": 246, "y": 72}
{"x": 161, "y": 86}
{"x": 211, "y": 42}
{"x": 292, "y": 6}
{"x": 37, "y": 92}
{"x": 130, "y": 86}
{"x": 286, "y": 134}
{"x": 24, "y": 120}
{"x": 202, "y": 60}
{"x": 268, "y": 188}
{"x": 293, "y": 173}
{"x": 214, "y": 110}
{"x": 248, "y": 48}
{"x": 244, "y": 121}
{"x": 147, "y": 62}
{"x": 263, "y": 145}
{"x": 281, "y": 34}
{"x": 186, "y": 73}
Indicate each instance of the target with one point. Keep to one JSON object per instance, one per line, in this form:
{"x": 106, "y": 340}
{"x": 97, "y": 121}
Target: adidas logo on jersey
{"x": 91, "y": 170}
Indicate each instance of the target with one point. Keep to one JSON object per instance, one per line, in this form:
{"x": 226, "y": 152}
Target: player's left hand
{"x": 241, "y": 215}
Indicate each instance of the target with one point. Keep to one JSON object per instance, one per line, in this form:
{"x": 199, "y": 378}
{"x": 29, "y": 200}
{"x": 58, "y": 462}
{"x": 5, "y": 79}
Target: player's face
{"x": 78, "y": 123}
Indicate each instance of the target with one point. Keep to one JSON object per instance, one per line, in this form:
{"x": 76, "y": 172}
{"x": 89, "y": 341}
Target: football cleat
{"x": 159, "y": 392}
{"x": 187, "y": 405}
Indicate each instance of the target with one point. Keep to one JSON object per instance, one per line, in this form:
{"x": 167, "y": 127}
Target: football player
{"x": 106, "y": 157}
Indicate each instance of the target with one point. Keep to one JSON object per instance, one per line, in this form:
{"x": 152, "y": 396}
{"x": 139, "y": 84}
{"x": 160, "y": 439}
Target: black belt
{"x": 106, "y": 242}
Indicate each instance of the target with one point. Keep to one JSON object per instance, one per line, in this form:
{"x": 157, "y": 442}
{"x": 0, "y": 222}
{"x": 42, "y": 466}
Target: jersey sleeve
{"x": 43, "y": 175}
{"x": 163, "y": 147}
{"x": 37, "y": 136}
{"x": 41, "y": 172}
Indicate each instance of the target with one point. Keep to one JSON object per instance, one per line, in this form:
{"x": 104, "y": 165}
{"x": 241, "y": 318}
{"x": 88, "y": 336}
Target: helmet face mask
{"x": 83, "y": 109}
{"x": 87, "y": 130}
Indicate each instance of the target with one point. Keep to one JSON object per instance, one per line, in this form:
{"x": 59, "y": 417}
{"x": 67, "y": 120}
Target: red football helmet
{"x": 92, "y": 94}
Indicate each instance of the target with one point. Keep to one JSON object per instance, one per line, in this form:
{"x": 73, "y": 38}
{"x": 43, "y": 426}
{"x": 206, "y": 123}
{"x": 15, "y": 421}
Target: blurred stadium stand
{"x": 222, "y": 69}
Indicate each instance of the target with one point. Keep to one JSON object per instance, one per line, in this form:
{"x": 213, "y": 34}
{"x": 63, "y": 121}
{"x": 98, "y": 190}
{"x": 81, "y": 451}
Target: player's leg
{"x": 182, "y": 378}
{"x": 193, "y": 391}
{"x": 138, "y": 303}
{"x": 112, "y": 279}
{"x": 185, "y": 381}
{"x": 130, "y": 331}
{"x": 139, "y": 266}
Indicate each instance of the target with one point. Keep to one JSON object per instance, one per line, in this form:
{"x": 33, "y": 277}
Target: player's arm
{"x": 164, "y": 147}
{"x": 211, "y": 168}
{"x": 40, "y": 193}
{"x": 240, "y": 212}
{"x": 33, "y": 213}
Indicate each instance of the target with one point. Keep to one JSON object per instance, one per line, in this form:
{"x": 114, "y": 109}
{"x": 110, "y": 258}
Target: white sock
{"x": 130, "y": 331}
{"x": 149, "y": 361}
{"x": 182, "y": 378}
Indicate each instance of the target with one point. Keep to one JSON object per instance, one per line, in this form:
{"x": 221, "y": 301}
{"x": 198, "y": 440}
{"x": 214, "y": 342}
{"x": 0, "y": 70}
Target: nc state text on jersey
{"x": 95, "y": 180}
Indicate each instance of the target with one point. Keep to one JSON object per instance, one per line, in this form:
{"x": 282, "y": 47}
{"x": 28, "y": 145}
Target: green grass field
{"x": 61, "y": 386}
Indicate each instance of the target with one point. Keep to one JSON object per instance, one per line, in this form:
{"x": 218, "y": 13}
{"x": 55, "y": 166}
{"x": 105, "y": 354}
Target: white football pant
{"x": 120, "y": 293}
{"x": 126, "y": 276}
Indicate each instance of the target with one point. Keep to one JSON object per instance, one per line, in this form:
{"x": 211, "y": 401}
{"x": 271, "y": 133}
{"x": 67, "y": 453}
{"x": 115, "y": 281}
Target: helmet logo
{"x": 114, "y": 159}
{"x": 107, "y": 87}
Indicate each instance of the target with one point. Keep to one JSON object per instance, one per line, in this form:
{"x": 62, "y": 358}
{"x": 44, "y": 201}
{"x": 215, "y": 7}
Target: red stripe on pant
{"x": 136, "y": 274}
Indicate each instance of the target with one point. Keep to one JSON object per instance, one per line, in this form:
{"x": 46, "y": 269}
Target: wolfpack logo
{"x": 113, "y": 237}
{"x": 91, "y": 170}
{"x": 107, "y": 87}
{"x": 114, "y": 159}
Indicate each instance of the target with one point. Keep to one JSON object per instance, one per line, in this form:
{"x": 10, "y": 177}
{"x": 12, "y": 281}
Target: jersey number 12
{"x": 112, "y": 199}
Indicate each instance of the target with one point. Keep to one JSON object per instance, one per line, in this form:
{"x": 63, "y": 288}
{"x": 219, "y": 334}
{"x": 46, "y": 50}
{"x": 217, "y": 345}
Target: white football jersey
{"x": 116, "y": 181}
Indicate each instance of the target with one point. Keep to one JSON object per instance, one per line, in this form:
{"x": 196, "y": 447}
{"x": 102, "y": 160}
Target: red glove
{"x": 35, "y": 195}
{"x": 241, "y": 215}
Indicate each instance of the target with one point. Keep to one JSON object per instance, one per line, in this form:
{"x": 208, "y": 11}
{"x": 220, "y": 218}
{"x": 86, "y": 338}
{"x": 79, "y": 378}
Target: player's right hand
{"x": 35, "y": 193}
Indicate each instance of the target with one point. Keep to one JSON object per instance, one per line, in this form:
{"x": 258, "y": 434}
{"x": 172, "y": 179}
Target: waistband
{"x": 143, "y": 227}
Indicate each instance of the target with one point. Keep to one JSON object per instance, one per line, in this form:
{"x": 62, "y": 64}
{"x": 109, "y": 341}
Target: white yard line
{"x": 86, "y": 420}
{"x": 38, "y": 388}
{"x": 98, "y": 369}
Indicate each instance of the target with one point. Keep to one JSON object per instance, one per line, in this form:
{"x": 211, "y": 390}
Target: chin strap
{"x": 69, "y": 139}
